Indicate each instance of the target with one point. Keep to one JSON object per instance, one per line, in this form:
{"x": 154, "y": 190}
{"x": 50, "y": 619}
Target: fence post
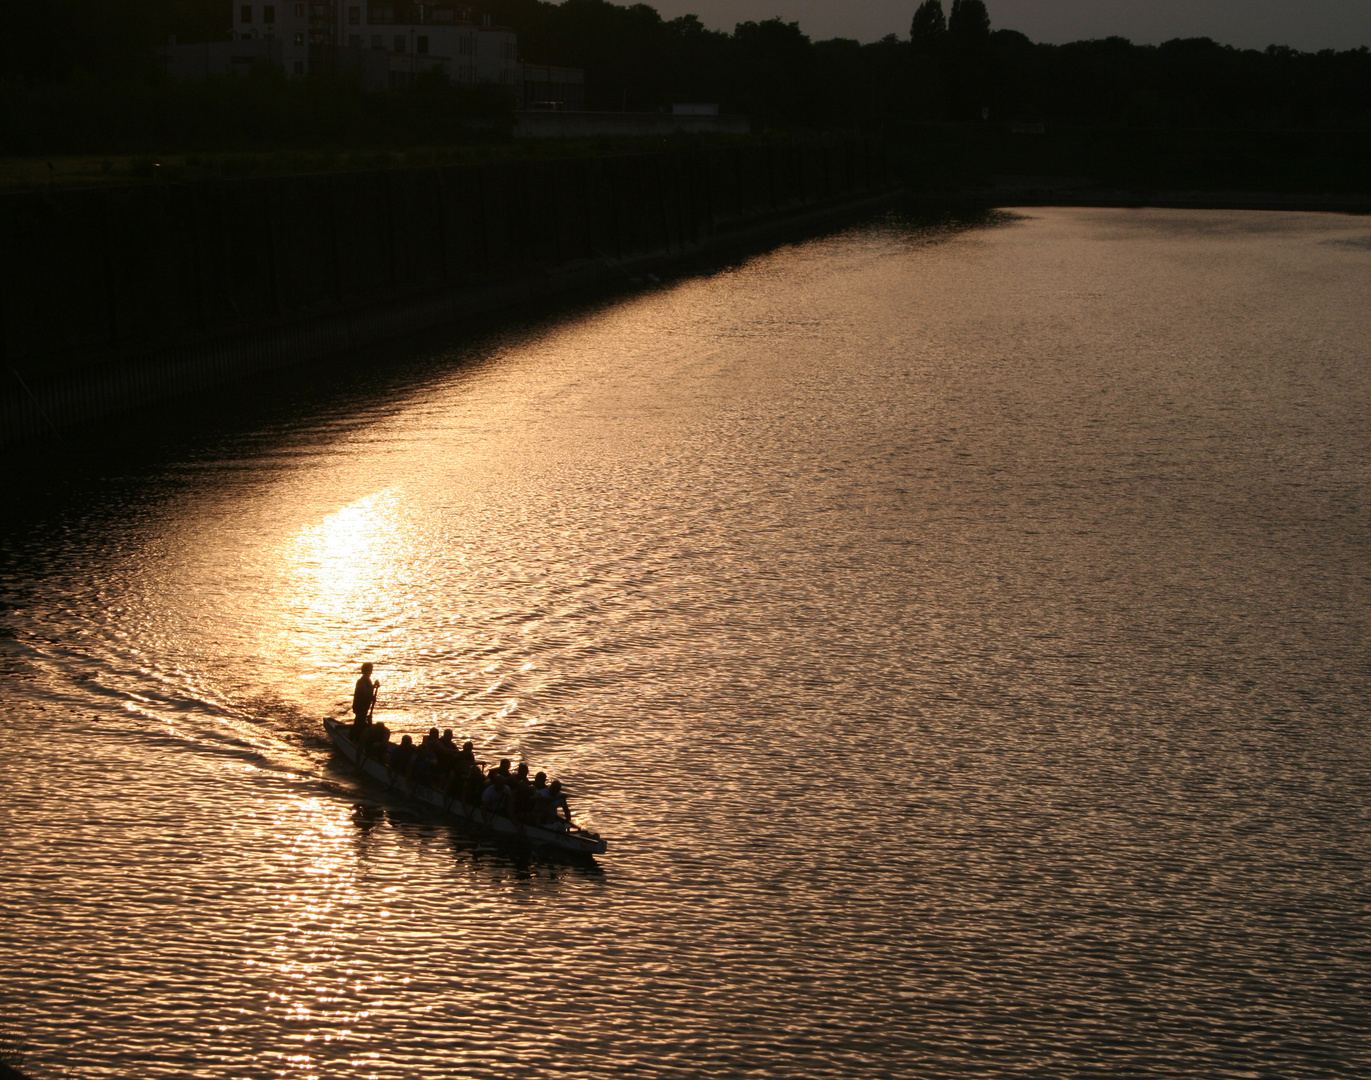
{"x": 388, "y": 209}
{"x": 440, "y": 186}
{"x": 483, "y": 215}
{"x": 269, "y": 219}
{"x": 335, "y": 250}
{"x": 107, "y": 265}
{"x": 192, "y": 202}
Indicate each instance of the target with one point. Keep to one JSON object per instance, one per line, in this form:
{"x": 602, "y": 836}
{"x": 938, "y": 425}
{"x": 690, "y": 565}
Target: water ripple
{"x": 959, "y": 630}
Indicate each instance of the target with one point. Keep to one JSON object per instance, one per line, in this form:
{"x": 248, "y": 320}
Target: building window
{"x": 299, "y": 67}
{"x": 421, "y": 44}
{"x": 268, "y": 13}
{"x": 354, "y": 16}
{"x": 246, "y": 14}
{"x": 354, "y": 41}
{"x": 379, "y": 15}
{"x": 299, "y": 11}
{"x": 300, "y": 38}
{"x": 377, "y": 42}
{"x": 399, "y": 43}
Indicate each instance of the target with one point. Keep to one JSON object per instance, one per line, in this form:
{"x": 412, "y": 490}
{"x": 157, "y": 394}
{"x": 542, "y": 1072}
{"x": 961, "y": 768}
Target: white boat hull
{"x": 571, "y": 840}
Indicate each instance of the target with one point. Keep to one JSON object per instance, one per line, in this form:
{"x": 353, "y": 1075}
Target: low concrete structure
{"x": 554, "y": 89}
{"x": 536, "y": 124}
{"x": 203, "y": 59}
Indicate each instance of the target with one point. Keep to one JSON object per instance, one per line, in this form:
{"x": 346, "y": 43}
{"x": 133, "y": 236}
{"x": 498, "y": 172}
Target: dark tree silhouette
{"x": 929, "y": 27}
{"x": 968, "y": 26}
{"x": 102, "y": 91}
{"x": 774, "y": 69}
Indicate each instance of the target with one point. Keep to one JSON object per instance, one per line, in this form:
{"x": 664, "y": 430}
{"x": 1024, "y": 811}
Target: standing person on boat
{"x": 364, "y": 696}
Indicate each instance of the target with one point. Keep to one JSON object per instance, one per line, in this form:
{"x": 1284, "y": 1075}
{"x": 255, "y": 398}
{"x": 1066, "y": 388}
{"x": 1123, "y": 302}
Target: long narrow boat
{"x": 572, "y": 839}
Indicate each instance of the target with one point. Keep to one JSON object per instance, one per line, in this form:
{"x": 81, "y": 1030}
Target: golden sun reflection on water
{"x": 335, "y": 564}
{"x": 344, "y": 578}
{"x": 357, "y": 584}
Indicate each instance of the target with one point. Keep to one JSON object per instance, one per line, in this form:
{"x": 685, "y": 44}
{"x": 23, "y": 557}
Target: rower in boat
{"x": 547, "y": 802}
{"x": 402, "y": 756}
{"x": 494, "y": 797}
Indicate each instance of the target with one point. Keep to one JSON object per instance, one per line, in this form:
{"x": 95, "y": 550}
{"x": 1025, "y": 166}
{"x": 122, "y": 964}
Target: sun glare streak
{"x": 345, "y": 578}
{"x": 338, "y": 555}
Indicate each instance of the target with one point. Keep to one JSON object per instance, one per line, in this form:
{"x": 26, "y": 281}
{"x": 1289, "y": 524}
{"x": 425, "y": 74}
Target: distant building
{"x": 387, "y": 43}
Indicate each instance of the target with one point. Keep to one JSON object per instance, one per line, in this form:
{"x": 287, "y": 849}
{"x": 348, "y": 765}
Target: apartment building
{"x": 419, "y": 36}
{"x": 388, "y": 42}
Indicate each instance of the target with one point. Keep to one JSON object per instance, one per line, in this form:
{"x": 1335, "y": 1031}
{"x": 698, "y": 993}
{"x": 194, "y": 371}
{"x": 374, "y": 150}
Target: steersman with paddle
{"x": 364, "y": 696}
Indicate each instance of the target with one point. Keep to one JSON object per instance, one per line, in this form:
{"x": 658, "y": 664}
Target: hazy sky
{"x": 1305, "y": 24}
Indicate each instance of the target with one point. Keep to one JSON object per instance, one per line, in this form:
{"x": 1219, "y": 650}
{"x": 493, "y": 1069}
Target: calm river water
{"x": 960, "y": 633}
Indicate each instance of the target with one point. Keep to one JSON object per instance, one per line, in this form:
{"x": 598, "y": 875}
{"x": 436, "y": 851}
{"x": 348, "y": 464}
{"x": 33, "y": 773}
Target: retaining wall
{"x": 111, "y": 298}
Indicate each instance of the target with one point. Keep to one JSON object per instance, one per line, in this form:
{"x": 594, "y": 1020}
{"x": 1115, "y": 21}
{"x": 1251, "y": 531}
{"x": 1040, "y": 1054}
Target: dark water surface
{"x": 961, "y": 636}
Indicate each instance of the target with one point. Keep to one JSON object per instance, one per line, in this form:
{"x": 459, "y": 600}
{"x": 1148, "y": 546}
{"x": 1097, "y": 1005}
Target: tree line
{"x": 84, "y": 71}
{"x": 951, "y": 67}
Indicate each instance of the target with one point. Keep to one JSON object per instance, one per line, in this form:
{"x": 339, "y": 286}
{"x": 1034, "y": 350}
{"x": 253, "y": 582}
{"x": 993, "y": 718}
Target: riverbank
{"x": 12, "y": 1055}
{"x": 1037, "y": 164}
{"x": 116, "y": 298}
{"x": 1055, "y": 191}
{"x": 1098, "y": 161}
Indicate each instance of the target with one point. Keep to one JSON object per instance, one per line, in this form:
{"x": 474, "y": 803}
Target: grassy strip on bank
{"x": 941, "y": 157}
{"x": 81, "y": 170}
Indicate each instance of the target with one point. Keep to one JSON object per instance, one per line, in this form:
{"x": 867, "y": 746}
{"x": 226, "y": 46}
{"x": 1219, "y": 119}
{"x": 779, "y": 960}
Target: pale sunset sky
{"x": 1305, "y": 24}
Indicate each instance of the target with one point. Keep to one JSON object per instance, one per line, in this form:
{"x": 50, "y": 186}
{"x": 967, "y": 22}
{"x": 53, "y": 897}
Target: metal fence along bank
{"x": 115, "y": 297}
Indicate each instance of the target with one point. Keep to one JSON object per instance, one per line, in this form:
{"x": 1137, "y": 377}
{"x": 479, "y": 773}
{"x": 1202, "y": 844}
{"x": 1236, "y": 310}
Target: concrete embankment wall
{"x": 112, "y": 298}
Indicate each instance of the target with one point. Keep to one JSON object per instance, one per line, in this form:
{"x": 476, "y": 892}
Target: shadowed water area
{"x": 959, "y": 632}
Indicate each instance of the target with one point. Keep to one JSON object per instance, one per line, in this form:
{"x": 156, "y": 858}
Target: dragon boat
{"x": 567, "y": 838}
